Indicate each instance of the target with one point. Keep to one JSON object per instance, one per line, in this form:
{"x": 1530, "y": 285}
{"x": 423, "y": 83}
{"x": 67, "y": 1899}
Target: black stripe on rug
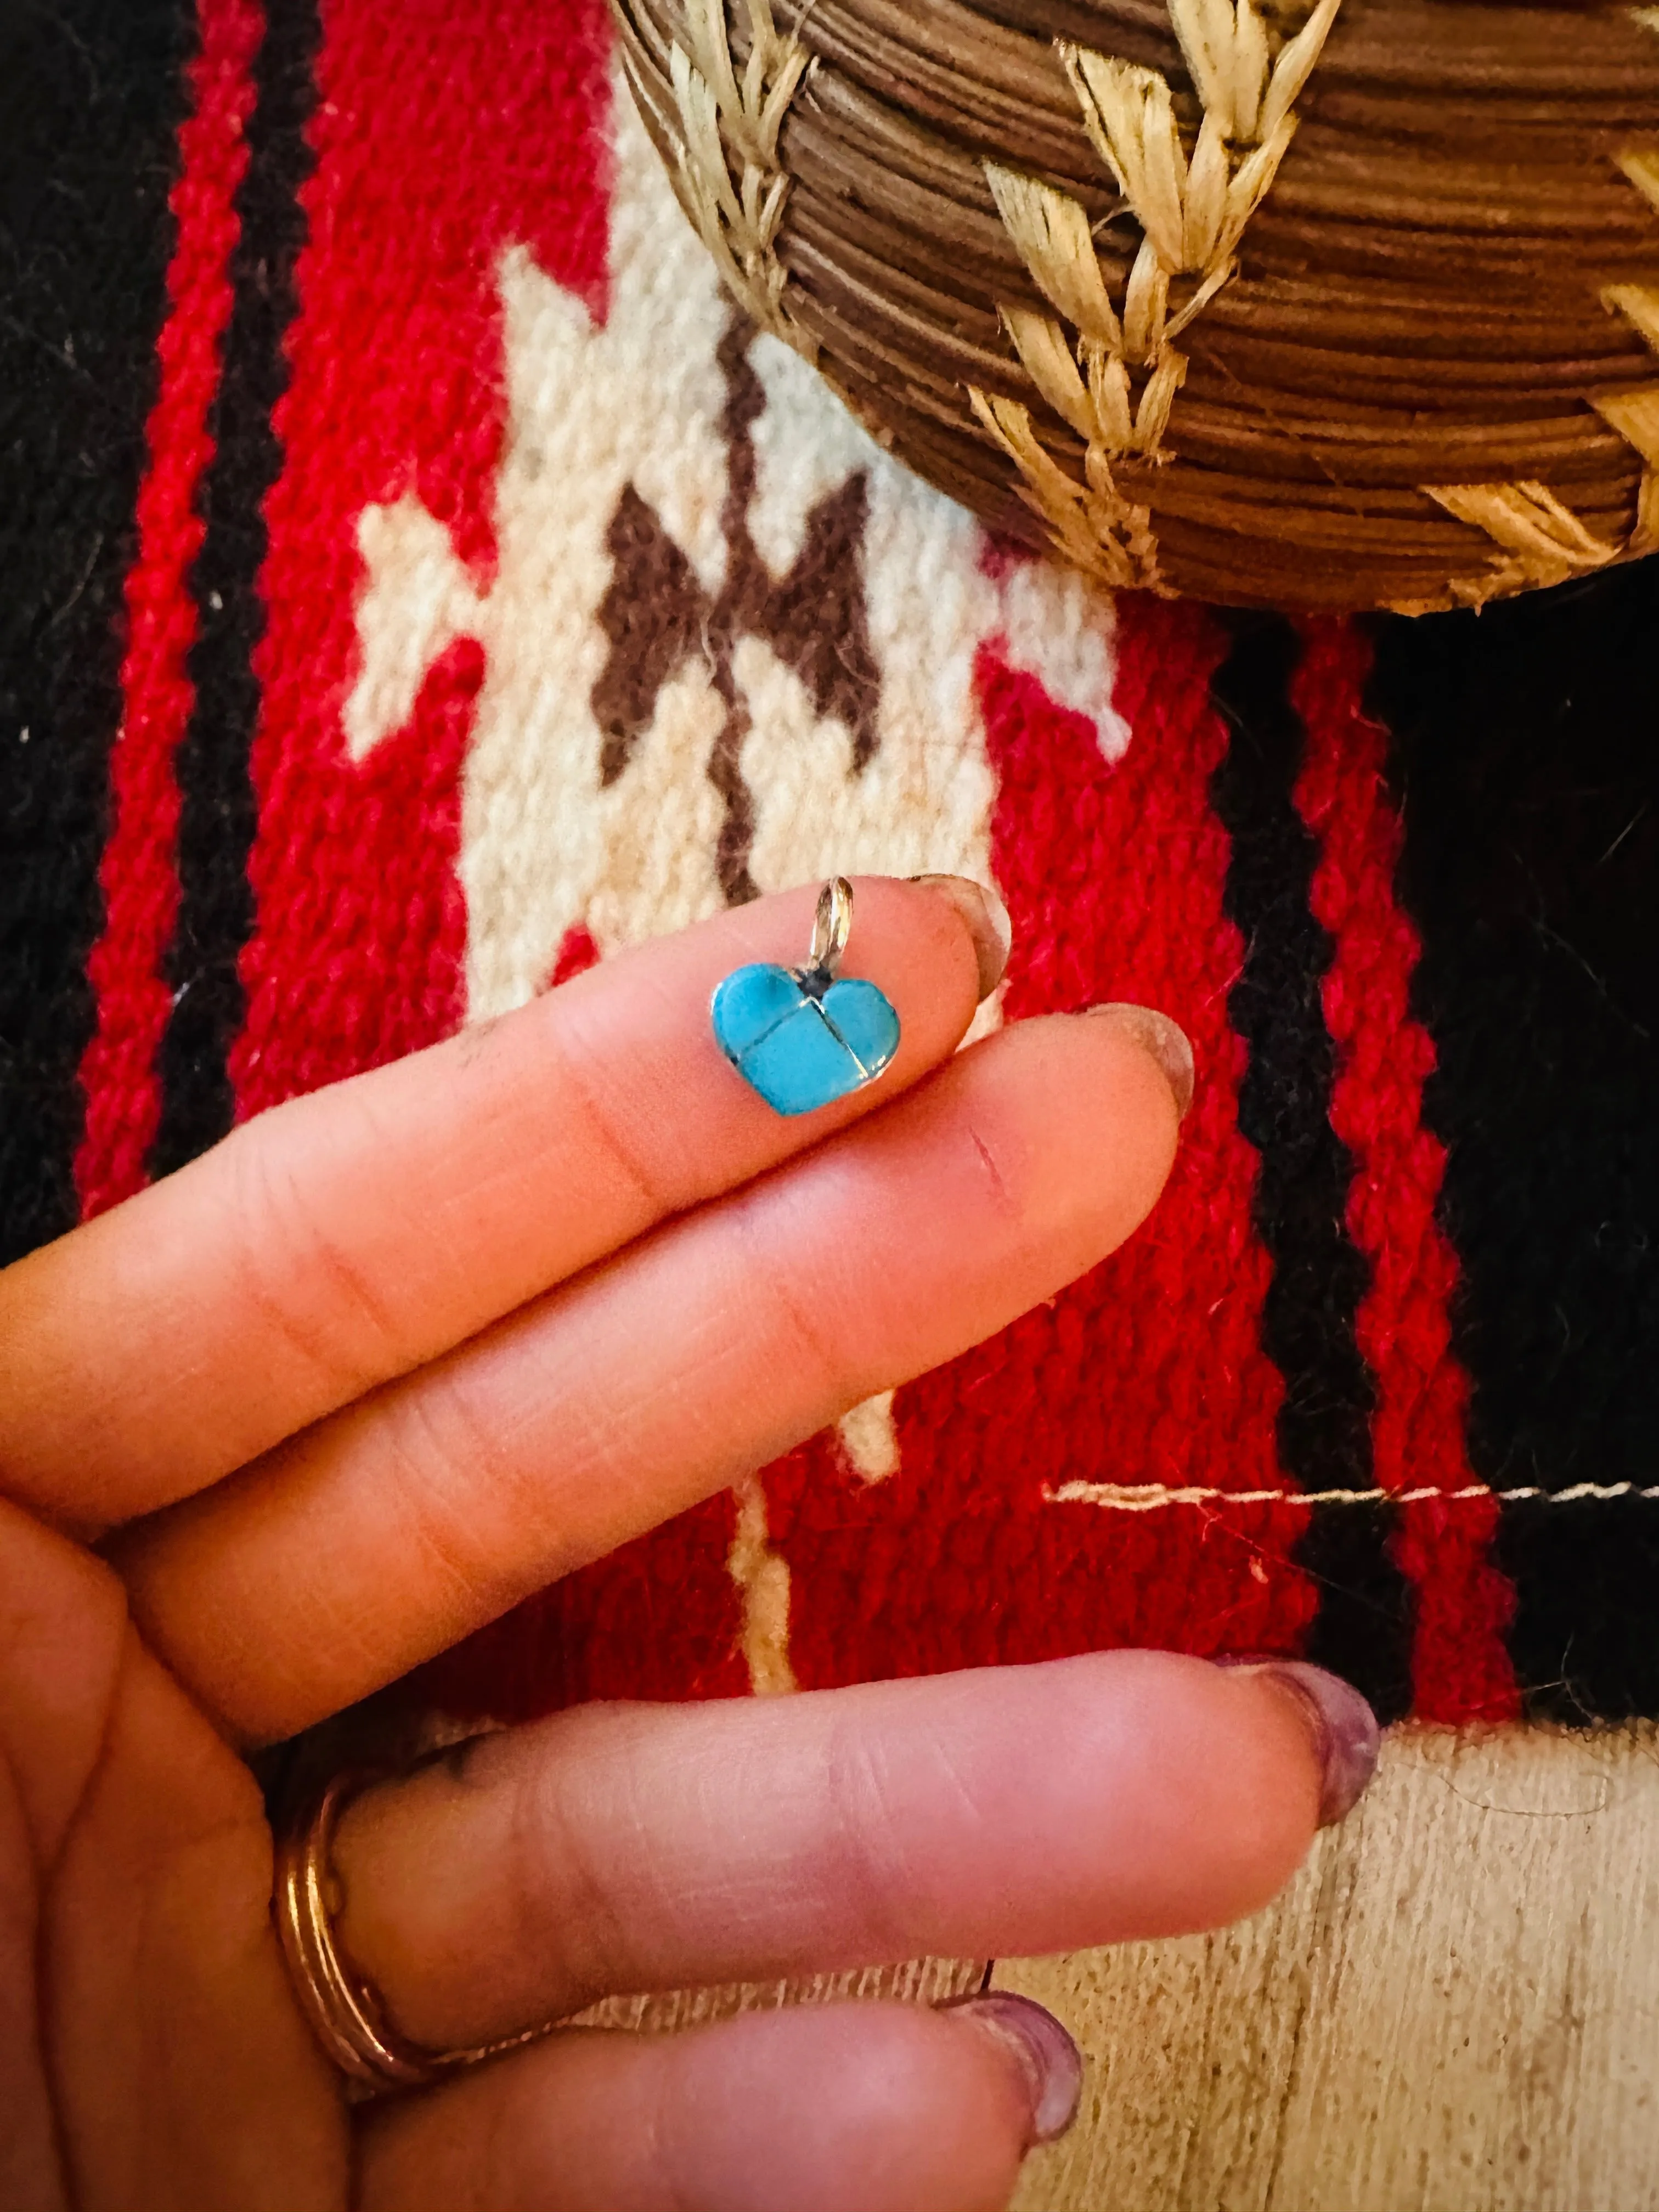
{"x": 218, "y": 811}
{"x": 1526, "y": 759}
{"x": 1364, "y": 1626}
{"x": 92, "y": 94}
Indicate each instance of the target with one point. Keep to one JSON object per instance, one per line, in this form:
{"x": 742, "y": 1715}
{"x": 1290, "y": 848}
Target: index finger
{"x": 352, "y": 1236}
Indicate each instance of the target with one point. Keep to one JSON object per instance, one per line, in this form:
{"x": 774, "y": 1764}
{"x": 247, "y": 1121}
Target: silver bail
{"x": 831, "y": 926}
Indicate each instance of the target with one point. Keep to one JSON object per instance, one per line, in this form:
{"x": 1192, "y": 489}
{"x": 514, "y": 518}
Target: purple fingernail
{"x": 1049, "y": 2061}
{"x": 1347, "y": 1738}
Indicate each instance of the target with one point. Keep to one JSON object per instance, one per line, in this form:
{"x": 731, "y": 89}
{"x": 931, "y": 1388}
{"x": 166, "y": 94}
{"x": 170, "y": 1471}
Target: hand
{"x": 397, "y": 1354}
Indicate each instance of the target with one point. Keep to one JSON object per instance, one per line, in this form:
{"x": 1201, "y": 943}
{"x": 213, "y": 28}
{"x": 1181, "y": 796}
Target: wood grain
{"x": 1454, "y": 2009}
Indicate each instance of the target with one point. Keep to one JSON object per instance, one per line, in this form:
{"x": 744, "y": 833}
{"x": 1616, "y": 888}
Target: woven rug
{"x": 418, "y": 585}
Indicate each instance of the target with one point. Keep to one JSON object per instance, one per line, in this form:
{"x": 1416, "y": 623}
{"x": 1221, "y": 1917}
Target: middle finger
{"x": 359, "y": 1548}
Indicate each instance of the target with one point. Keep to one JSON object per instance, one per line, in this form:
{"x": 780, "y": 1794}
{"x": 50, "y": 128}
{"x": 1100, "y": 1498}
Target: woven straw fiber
{"x": 1340, "y": 307}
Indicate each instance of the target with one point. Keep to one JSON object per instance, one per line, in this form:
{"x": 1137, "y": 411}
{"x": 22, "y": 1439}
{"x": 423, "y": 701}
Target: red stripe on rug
{"x": 1149, "y": 1371}
{"x": 139, "y": 876}
{"x": 398, "y": 387}
{"x": 659, "y": 1618}
{"x": 1460, "y": 1665}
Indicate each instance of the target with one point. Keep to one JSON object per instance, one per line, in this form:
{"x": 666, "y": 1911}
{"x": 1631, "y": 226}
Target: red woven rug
{"x": 417, "y": 585}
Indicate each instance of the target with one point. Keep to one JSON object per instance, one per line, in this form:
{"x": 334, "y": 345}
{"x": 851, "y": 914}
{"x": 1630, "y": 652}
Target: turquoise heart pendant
{"x": 802, "y": 1037}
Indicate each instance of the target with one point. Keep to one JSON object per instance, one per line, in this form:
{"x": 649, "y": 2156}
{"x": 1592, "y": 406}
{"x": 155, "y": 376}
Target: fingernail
{"x": 1050, "y": 2063}
{"x": 1347, "y": 1738}
{"x": 987, "y": 921}
{"x": 1165, "y": 1040}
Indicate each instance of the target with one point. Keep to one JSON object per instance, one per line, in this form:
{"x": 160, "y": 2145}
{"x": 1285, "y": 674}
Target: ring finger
{"x": 621, "y": 1848}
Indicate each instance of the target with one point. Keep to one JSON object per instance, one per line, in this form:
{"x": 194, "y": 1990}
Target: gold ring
{"x": 346, "y": 2012}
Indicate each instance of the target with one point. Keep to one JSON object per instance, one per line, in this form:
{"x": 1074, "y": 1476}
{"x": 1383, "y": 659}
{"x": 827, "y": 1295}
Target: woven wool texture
{"x": 419, "y": 586}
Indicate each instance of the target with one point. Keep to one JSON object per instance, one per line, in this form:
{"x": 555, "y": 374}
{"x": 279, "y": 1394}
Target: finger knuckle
{"x": 305, "y": 1283}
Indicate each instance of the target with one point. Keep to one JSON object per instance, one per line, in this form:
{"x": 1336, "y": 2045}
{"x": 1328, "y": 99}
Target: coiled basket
{"x": 1339, "y": 305}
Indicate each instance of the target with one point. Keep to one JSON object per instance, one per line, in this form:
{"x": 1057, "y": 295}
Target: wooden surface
{"x": 1454, "y": 2007}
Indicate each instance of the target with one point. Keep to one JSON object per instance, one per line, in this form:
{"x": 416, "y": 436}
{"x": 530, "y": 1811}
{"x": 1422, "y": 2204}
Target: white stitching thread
{"x": 762, "y": 1577}
{"x": 1147, "y": 1497}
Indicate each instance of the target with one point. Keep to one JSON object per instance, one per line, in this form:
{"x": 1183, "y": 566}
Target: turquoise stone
{"x": 797, "y": 1048}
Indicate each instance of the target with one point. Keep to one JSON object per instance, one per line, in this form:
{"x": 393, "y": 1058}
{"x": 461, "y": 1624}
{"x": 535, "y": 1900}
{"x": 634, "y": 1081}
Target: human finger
{"x": 351, "y": 1235}
{"x": 1022, "y": 1809}
{"x": 833, "y": 2108}
{"x": 356, "y": 1550}
{"x": 137, "y": 1959}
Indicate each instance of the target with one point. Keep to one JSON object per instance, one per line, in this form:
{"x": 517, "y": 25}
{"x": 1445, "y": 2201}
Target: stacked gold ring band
{"x": 345, "y": 2011}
